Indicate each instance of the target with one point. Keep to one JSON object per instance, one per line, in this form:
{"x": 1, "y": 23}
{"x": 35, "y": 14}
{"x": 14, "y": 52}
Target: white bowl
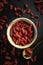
{"x": 10, "y": 39}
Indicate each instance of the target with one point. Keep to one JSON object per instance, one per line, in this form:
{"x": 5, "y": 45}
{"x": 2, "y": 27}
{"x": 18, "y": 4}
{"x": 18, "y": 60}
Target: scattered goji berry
{"x": 34, "y": 59}
{"x": 1, "y": 6}
{"x": 15, "y": 9}
{"x": 7, "y": 63}
{"x": 37, "y": 24}
{"x": 36, "y": 16}
{"x": 6, "y": 25}
{"x": 1, "y": 28}
{"x": 5, "y": 1}
{"x": 15, "y": 61}
{"x": 16, "y": 14}
{"x": 29, "y": 11}
{"x": 18, "y": 9}
{"x": 11, "y": 6}
{"x": 23, "y": 11}
{"x": 26, "y": 5}
{"x": 8, "y": 57}
{"x": 4, "y": 17}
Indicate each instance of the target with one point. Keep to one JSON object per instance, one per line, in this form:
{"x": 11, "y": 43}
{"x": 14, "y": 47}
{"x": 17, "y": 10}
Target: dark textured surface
{"x": 11, "y": 16}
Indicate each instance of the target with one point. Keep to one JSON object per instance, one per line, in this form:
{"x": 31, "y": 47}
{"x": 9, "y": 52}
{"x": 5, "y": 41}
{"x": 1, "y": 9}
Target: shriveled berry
{"x": 7, "y": 63}
{"x": 37, "y": 24}
{"x": 26, "y": 5}
{"x": 4, "y": 17}
{"x": 18, "y": 9}
{"x": 6, "y": 25}
{"x": 11, "y": 6}
{"x": 15, "y": 9}
{"x": 16, "y": 14}
{"x": 1, "y": 6}
{"x": 36, "y": 16}
{"x": 1, "y": 28}
{"x": 8, "y": 57}
{"x": 23, "y": 11}
{"x": 29, "y": 11}
{"x": 34, "y": 59}
{"x": 5, "y": 2}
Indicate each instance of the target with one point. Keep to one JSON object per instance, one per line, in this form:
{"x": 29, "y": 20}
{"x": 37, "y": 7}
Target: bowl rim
{"x": 10, "y": 39}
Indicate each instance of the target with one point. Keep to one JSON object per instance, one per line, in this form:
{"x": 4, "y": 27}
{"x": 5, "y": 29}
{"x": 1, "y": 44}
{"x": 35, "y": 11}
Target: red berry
{"x": 29, "y": 11}
{"x": 11, "y": 6}
{"x": 37, "y": 24}
{"x": 1, "y": 6}
{"x": 1, "y": 28}
{"x": 8, "y": 57}
{"x": 26, "y": 5}
{"x": 34, "y": 59}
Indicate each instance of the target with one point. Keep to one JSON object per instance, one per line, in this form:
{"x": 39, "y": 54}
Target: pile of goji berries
{"x": 22, "y": 33}
{"x": 10, "y": 55}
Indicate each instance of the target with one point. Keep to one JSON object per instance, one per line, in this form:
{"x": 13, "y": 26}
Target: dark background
{"x": 11, "y": 16}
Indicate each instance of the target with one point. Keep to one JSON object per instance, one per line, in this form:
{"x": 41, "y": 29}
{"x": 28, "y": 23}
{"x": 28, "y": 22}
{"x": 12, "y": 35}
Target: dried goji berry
{"x": 18, "y": 9}
{"x": 4, "y": 17}
{"x": 34, "y": 59}
{"x": 29, "y": 11}
{"x": 1, "y": 6}
{"x": 20, "y": 15}
{"x": 26, "y": 5}
{"x": 37, "y": 24}
{"x": 4, "y": 37}
{"x": 28, "y": 63}
{"x": 1, "y": 28}
{"x": 15, "y": 9}
{"x": 32, "y": 17}
{"x": 11, "y": 6}
{"x": 15, "y": 61}
{"x": 29, "y": 50}
{"x": 5, "y": 1}
{"x": 12, "y": 53}
{"x": 6, "y": 25}
{"x": 22, "y": 43}
{"x": 7, "y": 63}
{"x": 8, "y": 57}
{"x": 23, "y": 11}
{"x": 16, "y": 14}
{"x": 2, "y": 21}
{"x": 7, "y": 53}
{"x": 36, "y": 16}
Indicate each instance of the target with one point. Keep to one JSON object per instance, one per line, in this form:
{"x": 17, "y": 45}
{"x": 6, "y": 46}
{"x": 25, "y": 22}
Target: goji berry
{"x": 6, "y": 25}
{"x": 11, "y": 6}
{"x": 26, "y": 5}
{"x": 23, "y": 11}
{"x": 16, "y": 14}
{"x": 1, "y": 28}
{"x": 37, "y": 24}
{"x": 29, "y": 11}
{"x": 4, "y": 17}
{"x": 34, "y": 59}
{"x": 8, "y": 57}
{"x": 5, "y": 1}
{"x": 15, "y": 9}
{"x": 36, "y": 16}
{"x": 1, "y": 6}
